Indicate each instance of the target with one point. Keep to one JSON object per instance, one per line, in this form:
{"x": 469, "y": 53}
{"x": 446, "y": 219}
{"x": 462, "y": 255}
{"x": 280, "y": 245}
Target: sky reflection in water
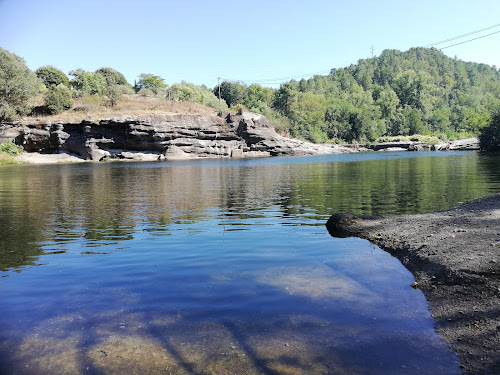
{"x": 218, "y": 267}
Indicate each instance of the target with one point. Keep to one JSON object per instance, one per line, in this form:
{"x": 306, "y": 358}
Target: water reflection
{"x": 103, "y": 204}
{"x": 218, "y": 267}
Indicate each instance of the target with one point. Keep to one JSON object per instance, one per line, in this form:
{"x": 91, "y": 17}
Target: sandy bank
{"x": 455, "y": 258}
{"x": 39, "y": 158}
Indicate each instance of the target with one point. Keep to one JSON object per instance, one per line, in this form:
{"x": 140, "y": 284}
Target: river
{"x": 220, "y": 266}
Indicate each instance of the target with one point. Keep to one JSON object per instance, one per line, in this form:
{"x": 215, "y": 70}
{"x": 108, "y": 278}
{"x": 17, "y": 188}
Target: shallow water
{"x": 218, "y": 267}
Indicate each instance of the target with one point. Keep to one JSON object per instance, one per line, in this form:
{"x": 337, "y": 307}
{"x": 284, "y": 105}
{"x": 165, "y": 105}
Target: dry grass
{"x": 8, "y": 159}
{"x": 95, "y": 108}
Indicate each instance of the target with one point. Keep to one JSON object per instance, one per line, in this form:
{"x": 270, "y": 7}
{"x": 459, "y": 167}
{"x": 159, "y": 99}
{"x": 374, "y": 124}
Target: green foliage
{"x": 126, "y": 90}
{"x": 420, "y": 91}
{"x": 145, "y": 92}
{"x": 58, "y": 99}
{"x": 104, "y": 82}
{"x": 190, "y": 92}
{"x": 231, "y": 92}
{"x": 51, "y": 76}
{"x": 113, "y": 93}
{"x": 87, "y": 82}
{"x": 474, "y": 120}
{"x": 489, "y": 137}
{"x": 112, "y": 76}
{"x": 285, "y": 97}
{"x": 257, "y": 98}
{"x": 10, "y": 148}
{"x": 150, "y": 82}
{"x": 17, "y": 84}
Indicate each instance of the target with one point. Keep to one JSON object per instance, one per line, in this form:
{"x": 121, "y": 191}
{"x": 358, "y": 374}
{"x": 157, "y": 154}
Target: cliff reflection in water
{"x": 43, "y": 208}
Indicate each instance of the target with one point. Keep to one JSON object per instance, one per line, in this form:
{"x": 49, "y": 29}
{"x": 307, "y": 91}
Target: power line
{"x": 275, "y": 81}
{"x": 461, "y": 36}
{"x": 470, "y": 40}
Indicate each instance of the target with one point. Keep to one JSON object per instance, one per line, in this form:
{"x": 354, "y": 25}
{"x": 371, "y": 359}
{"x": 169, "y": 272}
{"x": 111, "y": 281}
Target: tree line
{"x": 419, "y": 91}
{"x": 18, "y": 84}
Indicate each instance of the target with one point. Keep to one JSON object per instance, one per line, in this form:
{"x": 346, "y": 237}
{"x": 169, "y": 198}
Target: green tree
{"x": 398, "y": 124}
{"x": 58, "y": 99}
{"x": 475, "y": 120}
{"x": 90, "y": 83}
{"x": 489, "y": 137}
{"x": 151, "y": 82}
{"x": 388, "y": 102}
{"x": 256, "y": 97}
{"x": 231, "y": 92}
{"x": 416, "y": 126}
{"x": 440, "y": 120}
{"x": 52, "y": 76}
{"x": 284, "y": 98}
{"x": 112, "y": 76}
{"x": 339, "y": 117}
{"x": 17, "y": 84}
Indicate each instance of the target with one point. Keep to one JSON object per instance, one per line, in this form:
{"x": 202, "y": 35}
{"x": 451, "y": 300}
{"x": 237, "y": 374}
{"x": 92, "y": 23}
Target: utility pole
{"x": 372, "y": 50}
{"x": 218, "y": 84}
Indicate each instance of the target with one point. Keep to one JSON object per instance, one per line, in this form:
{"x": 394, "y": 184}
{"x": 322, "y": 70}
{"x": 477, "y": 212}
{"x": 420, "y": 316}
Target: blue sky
{"x": 258, "y": 41}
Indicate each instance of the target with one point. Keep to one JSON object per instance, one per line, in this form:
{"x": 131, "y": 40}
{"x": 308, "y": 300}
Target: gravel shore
{"x": 455, "y": 258}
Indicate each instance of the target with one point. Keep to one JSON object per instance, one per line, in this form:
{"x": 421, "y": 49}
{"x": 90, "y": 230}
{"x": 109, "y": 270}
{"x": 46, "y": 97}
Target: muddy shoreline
{"x": 455, "y": 258}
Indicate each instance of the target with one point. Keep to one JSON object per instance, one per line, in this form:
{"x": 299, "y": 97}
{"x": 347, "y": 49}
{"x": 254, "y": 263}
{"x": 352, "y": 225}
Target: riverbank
{"x": 455, "y": 258}
{"x": 163, "y": 137}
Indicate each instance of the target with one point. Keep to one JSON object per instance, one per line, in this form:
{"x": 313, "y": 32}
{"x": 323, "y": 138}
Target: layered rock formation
{"x": 169, "y": 136}
{"x": 469, "y": 144}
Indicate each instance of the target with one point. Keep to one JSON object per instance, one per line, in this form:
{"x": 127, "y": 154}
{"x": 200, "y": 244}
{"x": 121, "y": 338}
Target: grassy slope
{"x": 95, "y": 108}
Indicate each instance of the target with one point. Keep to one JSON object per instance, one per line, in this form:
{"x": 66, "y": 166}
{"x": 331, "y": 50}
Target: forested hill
{"x": 420, "y": 91}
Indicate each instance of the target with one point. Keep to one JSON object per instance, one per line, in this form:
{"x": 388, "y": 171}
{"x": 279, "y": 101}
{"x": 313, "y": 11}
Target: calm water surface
{"x": 219, "y": 267}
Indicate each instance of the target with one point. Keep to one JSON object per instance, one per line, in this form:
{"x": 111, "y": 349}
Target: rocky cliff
{"x": 168, "y": 136}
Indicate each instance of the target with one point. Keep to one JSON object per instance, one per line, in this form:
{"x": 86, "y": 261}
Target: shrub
{"x": 10, "y": 148}
{"x": 489, "y": 136}
{"x": 51, "y": 76}
{"x": 58, "y": 99}
{"x": 189, "y": 92}
{"x": 145, "y": 92}
{"x": 126, "y": 90}
{"x": 113, "y": 94}
{"x": 7, "y": 112}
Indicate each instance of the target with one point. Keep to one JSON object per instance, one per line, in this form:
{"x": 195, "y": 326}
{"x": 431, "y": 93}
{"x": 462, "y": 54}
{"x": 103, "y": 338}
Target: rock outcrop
{"x": 402, "y": 146}
{"x": 168, "y": 136}
{"x": 469, "y": 144}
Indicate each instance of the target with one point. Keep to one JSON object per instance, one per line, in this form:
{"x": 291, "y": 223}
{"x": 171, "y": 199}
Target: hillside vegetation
{"x": 420, "y": 91}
